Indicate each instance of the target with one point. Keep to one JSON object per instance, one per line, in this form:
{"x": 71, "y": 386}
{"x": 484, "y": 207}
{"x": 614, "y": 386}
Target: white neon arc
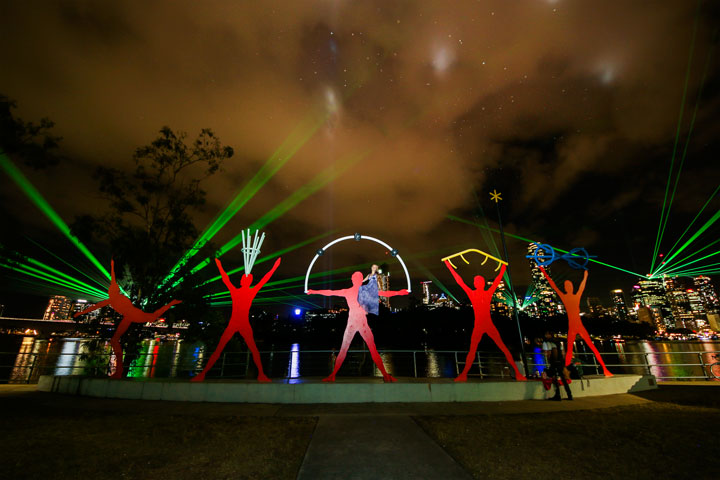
{"x": 352, "y": 237}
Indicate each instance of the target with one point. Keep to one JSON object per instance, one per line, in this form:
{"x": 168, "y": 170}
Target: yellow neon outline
{"x": 487, "y": 255}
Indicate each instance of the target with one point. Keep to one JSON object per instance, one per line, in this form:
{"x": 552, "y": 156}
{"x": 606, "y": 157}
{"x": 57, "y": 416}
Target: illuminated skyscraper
{"x": 58, "y": 308}
{"x": 651, "y": 294}
{"x": 499, "y": 303}
{"x": 547, "y": 302}
{"x": 710, "y": 298}
{"x": 595, "y": 306}
{"x": 426, "y": 292}
{"x": 618, "y": 300}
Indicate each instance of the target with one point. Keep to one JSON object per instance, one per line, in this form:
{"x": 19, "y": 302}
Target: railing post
{"x": 222, "y": 365}
{"x": 457, "y": 368}
{"x": 32, "y": 368}
{"x": 415, "y": 363}
{"x": 597, "y": 371}
{"x": 479, "y": 364}
{"x": 647, "y": 364}
{"x": 247, "y": 363}
{"x": 702, "y": 365}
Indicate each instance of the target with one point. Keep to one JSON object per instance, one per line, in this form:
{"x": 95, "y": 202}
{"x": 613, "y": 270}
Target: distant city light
{"x": 297, "y": 312}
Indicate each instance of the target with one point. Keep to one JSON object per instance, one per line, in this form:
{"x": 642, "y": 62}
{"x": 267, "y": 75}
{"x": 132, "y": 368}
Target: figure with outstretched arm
{"x": 357, "y": 323}
{"x": 131, "y": 314}
{"x": 481, "y": 300}
{"x": 571, "y": 301}
{"x": 242, "y": 298}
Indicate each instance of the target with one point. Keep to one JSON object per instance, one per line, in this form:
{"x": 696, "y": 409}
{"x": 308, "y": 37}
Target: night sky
{"x": 570, "y": 109}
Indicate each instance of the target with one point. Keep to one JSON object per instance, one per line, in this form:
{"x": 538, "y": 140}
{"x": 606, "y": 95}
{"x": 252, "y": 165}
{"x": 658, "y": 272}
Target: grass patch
{"x": 53, "y": 443}
{"x": 654, "y": 440}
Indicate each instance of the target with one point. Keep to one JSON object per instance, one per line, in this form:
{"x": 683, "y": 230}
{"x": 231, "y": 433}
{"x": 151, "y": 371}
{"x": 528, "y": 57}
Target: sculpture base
{"x": 344, "y": 390}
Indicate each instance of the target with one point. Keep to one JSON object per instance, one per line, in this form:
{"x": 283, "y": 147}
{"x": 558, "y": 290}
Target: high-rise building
{"x": 81, "y": 304}
{"x": 499, "y": 303}
{"x": 58, "y": 308}
{"x": 651, "y": 293}
{"x": 547, "y": 302}
{"x": 2, "y": 309}
{"x": 426, "y": 291}
{"x": 618, "y": 300}
{"x": 594, "y": 306}
{"x": 705, "y": 288}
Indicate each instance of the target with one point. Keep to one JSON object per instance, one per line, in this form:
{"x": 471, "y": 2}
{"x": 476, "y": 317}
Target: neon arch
{"x": 357, "y": 237}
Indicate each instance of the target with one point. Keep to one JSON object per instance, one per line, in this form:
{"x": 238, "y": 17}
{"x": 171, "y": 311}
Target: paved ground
{"x": 358, "y": 441}
{"x": 375, "y": 447}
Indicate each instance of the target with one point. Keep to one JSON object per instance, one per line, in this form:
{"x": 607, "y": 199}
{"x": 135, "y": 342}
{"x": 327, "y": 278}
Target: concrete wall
{"x": 340, "y": 392}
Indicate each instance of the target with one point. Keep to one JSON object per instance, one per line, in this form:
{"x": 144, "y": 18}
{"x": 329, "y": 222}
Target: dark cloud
{"x": 569, "y": 108}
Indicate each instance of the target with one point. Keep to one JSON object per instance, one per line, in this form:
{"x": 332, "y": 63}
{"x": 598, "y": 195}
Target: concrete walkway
{"x": 361, "y": 441}
{"x": 375, "y": 447}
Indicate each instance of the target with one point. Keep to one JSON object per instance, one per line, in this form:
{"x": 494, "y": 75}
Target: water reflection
{"x": 433, "y": 366}
{"x": 170, "y": 358}
{"x": 24, "y": 361}
{"x": 69, "y": 358}
{"x": 294, "y": 363}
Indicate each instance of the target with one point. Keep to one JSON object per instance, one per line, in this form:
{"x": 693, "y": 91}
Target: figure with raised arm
{"x": 571, "y": 300}
{"x": 131, "y": 314}
{"x": 242, "y": 298}
{"x": 481, "y": 300}
{"x": 357, "y": 323}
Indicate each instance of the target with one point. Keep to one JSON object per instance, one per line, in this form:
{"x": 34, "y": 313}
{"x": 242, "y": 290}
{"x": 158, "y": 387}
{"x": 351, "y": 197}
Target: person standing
{"x": 556, "y": 369}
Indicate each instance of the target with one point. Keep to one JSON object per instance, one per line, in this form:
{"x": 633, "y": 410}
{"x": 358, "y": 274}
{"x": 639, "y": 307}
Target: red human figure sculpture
{"x": 571, "y": 301}
{"x": 131, "y": 314}
{"x": 481, "y": 300}
{"x": 242, "y": 298}
{"x": 357, "y": 323}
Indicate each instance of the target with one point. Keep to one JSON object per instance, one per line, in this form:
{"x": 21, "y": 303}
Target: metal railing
{"x": 292, "y": 364}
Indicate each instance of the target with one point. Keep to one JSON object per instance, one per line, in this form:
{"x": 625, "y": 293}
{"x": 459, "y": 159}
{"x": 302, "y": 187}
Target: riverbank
{"x": 664, "y": 433}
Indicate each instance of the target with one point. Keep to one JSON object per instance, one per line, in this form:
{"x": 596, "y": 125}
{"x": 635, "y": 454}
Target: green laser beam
{"x": 19, "y": 258}
{"x": 259, "y": 300}
{"x": 36, "y": 273}
{"x": 712, "y": 196}
{"x": 34, "y": 195}
{"x": 685, "y": 266}
{"x": 687, "y": 144}
{"x": 318, "y": 182}
{"x": 700, "y": 231}
{"x": 664, "y": 212}
{"x": 287, "y": 149}
{"x": 695, "y": 273}
{"x": 435, "y": 280}
{"x": 679, "y": 264}
{"x": 274, "y": 255}
{"x": 518, "y": 237}
{"x": 59, "y": 274}
{"x": 104, "y": 285}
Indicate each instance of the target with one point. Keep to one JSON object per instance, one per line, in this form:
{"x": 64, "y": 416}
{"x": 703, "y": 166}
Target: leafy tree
{"x": 149, "y": 225}
{"x": 33, "y": 143}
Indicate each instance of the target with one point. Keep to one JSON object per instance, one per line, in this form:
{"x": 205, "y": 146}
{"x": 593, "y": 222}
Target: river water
{"x": 24, "y": 359}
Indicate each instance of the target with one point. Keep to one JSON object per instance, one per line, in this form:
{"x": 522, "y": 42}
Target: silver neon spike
{"x": 250, "y": 252}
